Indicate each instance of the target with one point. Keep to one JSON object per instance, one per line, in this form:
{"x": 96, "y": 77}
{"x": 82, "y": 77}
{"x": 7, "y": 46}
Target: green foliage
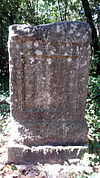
{"x": 4, "y": 81}
{"x": 93, "y": 114}
{"x": 4, "y": 104}
{"x": 90, "y": 159}
{"x": 94, "y": 63}
{"x": 4, "y": 114}
{"x": 13, "y": 167}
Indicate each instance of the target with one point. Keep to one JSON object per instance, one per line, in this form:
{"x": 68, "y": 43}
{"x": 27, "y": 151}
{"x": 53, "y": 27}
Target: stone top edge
{"x": 50, "y": 24}
{"x": 49, "y": 147}
{"x": 65, "y": 30}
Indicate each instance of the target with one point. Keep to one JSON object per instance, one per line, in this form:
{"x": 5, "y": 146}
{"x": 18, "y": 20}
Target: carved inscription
{"x": 46, "y": 72}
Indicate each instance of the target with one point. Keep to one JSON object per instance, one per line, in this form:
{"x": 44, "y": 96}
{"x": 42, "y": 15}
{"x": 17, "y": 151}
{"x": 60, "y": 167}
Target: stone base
{"x": 20, "y": 154}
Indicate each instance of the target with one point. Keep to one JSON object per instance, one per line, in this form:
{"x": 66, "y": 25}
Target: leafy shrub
{"x": 4, "y": 103}
{"x": 93, "y": 114}
{"x": 4, "y": 115}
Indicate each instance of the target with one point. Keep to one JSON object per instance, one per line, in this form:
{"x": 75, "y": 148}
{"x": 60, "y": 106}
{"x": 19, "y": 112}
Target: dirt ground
{"x": 49, "y": 171}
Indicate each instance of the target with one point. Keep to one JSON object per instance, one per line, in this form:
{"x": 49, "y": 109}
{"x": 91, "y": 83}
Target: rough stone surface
{"x": 44, "y": 154}
{"x": 48, "y": 79}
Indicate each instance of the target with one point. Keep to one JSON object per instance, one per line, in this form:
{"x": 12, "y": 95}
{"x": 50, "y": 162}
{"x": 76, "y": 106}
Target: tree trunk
{"x": 95, "y": 39}
{"x": 1, "y": 45}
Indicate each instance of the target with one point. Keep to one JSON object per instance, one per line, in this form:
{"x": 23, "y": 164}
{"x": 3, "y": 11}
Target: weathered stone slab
{"x": 44, "y": 154}
{"x": 48, "y": 78}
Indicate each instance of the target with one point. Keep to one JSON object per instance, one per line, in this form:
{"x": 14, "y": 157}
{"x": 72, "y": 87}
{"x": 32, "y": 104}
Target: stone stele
{"x": 48, "y": 80}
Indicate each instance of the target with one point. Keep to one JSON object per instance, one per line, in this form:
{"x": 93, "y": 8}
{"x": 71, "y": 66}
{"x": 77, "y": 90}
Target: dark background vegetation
{"x": 47, "y": 11}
